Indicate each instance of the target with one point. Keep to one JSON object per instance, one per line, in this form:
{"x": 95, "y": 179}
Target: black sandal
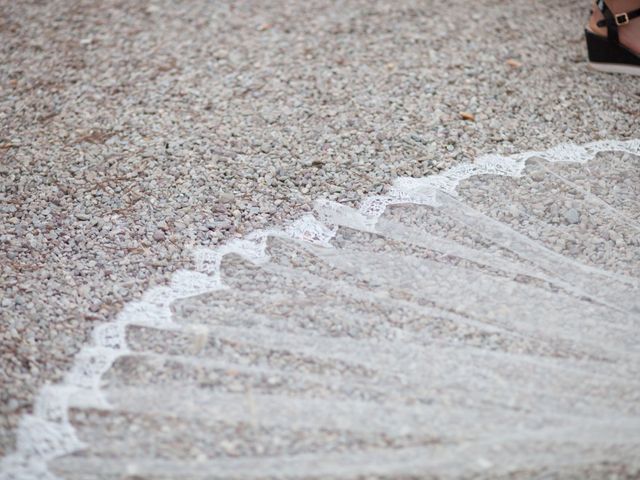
{"x": 607, "y": 54}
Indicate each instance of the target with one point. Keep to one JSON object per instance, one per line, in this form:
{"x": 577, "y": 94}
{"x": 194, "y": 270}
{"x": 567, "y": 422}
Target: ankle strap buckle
{"x": 622, "y": 19}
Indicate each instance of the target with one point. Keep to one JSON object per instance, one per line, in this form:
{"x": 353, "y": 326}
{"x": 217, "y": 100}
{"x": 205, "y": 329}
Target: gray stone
{"x": 572, "y": 216}
{"x": 158, "y": 235}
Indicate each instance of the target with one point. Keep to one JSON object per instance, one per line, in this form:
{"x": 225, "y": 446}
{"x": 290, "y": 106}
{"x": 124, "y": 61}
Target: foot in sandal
{"x": 613, "y": 36}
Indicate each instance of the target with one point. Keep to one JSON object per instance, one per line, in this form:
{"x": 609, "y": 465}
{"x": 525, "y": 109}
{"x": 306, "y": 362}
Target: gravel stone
{"x": 158, "y": 235}
{"x": 537, "y": 175}
{"x": 572, "y": 216}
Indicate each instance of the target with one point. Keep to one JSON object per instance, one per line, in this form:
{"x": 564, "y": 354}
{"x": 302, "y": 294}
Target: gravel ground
{"x": 132, "y": 130}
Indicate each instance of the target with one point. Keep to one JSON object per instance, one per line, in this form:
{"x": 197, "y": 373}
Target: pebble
{"x": 537, "y": 175}
{"x": 226, "y": 197}
{"x": 572, "y": 216}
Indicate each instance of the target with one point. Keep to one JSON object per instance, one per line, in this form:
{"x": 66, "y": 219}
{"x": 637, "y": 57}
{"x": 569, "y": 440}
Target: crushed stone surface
{"x": 131, "y": 131}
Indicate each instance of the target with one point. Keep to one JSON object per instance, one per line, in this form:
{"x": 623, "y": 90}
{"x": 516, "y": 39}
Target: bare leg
{"x": 629, "y": 34}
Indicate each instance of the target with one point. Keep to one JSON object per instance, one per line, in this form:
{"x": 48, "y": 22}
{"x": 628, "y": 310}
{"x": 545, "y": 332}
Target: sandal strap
{"x": 622, "y": 18}
{"x": 614, "y": 20}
